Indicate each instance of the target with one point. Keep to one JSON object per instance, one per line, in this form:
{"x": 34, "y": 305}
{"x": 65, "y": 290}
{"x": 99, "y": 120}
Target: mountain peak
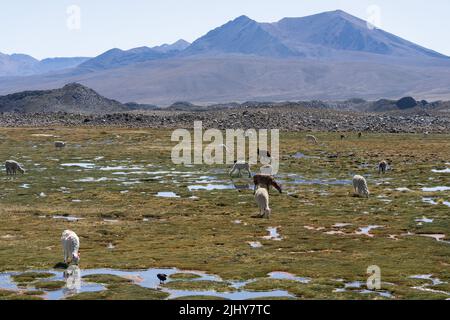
{"x": 74, "y": 86}
{"x": 178, "y": 45}
{"x": 242, "y": 36}
{"x": 181, "y": 42}
{"x": 243, "y": 18}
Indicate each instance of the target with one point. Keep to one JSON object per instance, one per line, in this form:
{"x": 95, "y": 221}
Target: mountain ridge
{"x": 330, "y": 56}
{"x": 18, "y": 64}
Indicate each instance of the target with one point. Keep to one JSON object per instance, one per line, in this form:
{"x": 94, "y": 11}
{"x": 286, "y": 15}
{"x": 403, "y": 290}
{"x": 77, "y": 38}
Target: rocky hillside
{"x": 72, "y": 97}
{"x": 292, "y": 117}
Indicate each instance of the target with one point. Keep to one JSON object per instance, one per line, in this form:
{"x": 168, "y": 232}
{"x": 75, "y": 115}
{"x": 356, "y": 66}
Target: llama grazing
{"x": 59, "y": 144}
{"x": 12, "y": 167}
{"x": 382, "y": 166}
{"x": 262, "y": 200}
{"x": 360, "y": 186}
{"x": 311, "y": 139}
{"x": 241, "y": 165}
{"x": 71, "y": 247}
{"x": 265, "y": 181}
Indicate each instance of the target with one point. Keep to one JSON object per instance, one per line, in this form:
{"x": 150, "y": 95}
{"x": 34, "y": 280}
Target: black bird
{"x": 162, "y": 277}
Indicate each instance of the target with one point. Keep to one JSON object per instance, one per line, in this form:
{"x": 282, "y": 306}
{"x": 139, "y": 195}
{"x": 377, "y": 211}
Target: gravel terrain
{"x": 283, "y": 118}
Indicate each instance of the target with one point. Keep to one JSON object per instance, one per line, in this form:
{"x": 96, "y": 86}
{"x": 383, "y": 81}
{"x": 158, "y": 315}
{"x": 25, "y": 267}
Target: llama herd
{"x": 262, "y": 183}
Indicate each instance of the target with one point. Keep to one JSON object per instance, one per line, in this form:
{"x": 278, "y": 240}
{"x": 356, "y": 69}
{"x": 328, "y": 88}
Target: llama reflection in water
{"x": 72, "y": 275}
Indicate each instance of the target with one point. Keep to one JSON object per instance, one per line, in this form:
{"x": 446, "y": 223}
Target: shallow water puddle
{"x": 436, "y": 189}
{"x": 424, "y": 220}
{"x": 446, "y": 170}
{"x": 117, "y": 168}
{"x": 167, "y": 195}
{"x": 434, "y": 282}
{"x": 68, "y": 218}
{"x": 129, "y": 183}
{"x": 358, "y": 285}
{"x": 72, "y": 276}
{"x": 210, "y": 187}
{"x": 366, "y": 230}
{"x": 287, "y": 276}
{"x": 432, "y": 201}
{"x": 273, "y": 234}
{"x": 75, "y": 283}
{"x": 255, "y": 244}
{"x": 91, "y": 179}
{"x": 403, "y": 189}
{"x": 84, "y": 165}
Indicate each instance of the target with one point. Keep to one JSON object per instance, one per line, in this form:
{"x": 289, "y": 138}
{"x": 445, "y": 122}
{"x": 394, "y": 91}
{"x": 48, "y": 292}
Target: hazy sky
{"x": 49, "y": 28}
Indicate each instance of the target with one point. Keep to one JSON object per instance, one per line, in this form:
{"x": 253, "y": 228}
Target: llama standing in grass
{"x": 262, "y": 200}
{"x": 12, "y": 167}
{"x": 360, "y": 186}
{"x": 311, "y": 139}
{"x": 382, "y": 167}
{"x": 265, "y": 181}
{"x": 241, "y": 165}
{"x": 71, "y": 246}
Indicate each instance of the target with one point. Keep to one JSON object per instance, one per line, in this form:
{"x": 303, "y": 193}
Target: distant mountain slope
{"x": 320, "y": 35}
{"x": 338, "y": 30}
{"x": 242, "y": 35}
{"x": 57, "y": 64}
{"x": 17, "y": 65}
{"x": 115, "y": 58}
{"x": 25, "y": 65}
{"x": 71, "y": 98}
{"x": 328, "y": 56}
{"x": 242, "y": 78}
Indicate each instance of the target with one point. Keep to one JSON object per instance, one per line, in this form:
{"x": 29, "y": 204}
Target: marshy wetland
{"x": 138, "y": 214}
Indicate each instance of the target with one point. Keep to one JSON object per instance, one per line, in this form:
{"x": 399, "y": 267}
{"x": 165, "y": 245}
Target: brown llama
{"x": 265, "y": 181}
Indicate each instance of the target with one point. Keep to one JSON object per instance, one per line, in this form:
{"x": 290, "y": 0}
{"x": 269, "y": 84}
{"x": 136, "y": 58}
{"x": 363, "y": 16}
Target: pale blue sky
{"x": 39, "y": 28}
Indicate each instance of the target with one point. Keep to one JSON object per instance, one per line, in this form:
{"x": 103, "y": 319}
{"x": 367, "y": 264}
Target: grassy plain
{"x": 114, "y": 175}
